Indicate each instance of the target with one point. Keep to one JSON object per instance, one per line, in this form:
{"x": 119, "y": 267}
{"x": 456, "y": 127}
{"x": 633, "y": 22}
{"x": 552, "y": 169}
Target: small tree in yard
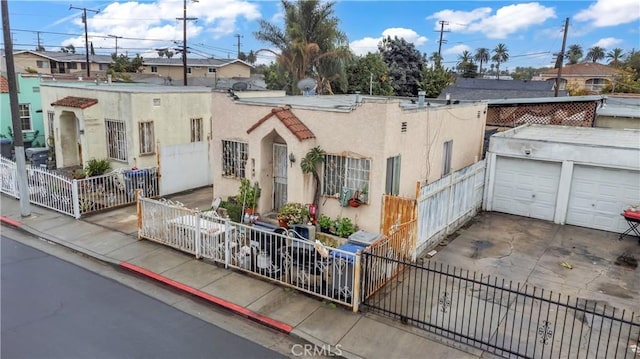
{"x": 309, "y": 164}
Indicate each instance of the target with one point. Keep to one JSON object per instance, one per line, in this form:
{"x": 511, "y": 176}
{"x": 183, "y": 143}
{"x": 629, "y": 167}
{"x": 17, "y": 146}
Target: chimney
{"x": 421, "y": 95}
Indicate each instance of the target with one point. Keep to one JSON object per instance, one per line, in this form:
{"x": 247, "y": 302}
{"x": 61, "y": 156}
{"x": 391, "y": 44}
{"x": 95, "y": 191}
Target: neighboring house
{"x": 569, "y": 175}
{"x": 29, "y": 110}
{"x": 52, "y": 62}
{"x": 566, "y": 111}
{"x": 196, "y": 68}
{"x": 128, "y": 123}
{"x": 473, "y": 89}
{"x": 619, "y": 111}
{"x": 589, "y": 76}
{"x": 376, "y": 145}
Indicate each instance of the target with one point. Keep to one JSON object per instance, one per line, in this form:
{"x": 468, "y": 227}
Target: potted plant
{"x": 355, "y": 201}
{"x": 248, "y": 195}
{"x": 309, "y": 164}
{"x": 345, "y": 227}
{"x": 290, "y": 214}
{"x": 325, "y": 223}
{"x": 96, "y": 167}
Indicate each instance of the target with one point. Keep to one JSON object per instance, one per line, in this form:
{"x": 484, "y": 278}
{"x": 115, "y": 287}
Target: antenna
{"x": 307, "y": 86}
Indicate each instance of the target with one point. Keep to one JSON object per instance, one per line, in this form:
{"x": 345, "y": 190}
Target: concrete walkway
{"x": 347, "y": 334}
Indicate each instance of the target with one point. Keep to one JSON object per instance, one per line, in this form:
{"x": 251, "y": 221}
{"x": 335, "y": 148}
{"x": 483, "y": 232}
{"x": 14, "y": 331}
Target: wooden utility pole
{"x": 561, "y": 57}
{"x": 116, "y": 37}
{"x": 184, "y": 18}
{"x": 239, "y": 37}
{"x": 440, "y": 42}
{"x": 18, "y": 143}
{"x": 86, "y": 35}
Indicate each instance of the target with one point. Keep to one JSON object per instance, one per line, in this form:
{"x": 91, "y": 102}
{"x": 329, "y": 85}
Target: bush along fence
{"x": 506, "y": 319}
{"x": 78, "y": 197}
{"x": 271, "y": 253}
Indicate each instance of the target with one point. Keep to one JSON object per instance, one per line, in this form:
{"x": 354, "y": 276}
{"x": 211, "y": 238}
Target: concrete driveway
{"x": 531, "y": 251}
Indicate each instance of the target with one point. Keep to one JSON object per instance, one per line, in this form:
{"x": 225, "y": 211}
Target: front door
{"x": 279, "y": 175}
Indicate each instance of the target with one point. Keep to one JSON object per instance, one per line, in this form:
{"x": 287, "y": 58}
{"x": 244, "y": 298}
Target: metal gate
{"x": 279, "y": 175}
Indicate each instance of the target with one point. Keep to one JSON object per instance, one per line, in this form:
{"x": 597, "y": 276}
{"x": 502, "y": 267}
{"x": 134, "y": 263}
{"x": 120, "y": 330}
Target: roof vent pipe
{"x": 358, "y": 99}
{"x": 421, "y": 95}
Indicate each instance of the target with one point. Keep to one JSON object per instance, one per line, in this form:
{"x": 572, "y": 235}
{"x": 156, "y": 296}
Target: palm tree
{"x": 465, "y": 57}
{"x": 595, "y": 54}
{"x": 482, "y": 56}
{"x": 435, "y": 58}
{"x": 310, "y": 44}
{"x": 615, "y": 56}
{"x": 500, "y": 55}
{"x": 309, "y": 164}
{"x": 574, "y": 54}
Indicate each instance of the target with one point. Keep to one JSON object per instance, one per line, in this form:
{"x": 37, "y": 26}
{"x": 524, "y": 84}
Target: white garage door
{"x": 598, "y": 195}
{"x": 526, "y": 187}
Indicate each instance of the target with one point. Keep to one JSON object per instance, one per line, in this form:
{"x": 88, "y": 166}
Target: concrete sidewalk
{"x": 352, "y": 335}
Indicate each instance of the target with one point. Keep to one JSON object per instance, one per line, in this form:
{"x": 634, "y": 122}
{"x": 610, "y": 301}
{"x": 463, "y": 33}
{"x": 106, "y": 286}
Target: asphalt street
{"x": 54, "y": 309}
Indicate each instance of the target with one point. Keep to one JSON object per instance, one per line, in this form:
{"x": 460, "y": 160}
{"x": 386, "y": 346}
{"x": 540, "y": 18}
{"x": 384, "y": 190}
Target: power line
{"x": 86, "y": 38}
{"x": 441, "y": 41}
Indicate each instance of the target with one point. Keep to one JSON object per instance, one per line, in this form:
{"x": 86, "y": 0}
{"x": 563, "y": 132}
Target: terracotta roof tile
{"x": 4, "y": 85}
{"x": 79, "y": 102}
{"x": 289, "y": 120}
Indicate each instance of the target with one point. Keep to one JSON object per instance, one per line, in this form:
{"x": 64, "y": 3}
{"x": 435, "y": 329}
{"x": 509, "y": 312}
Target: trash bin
{"x": 37, "y": 155}
{"x": 363, "y": 238}
{"x": 136, "y": 179}
{"x": 6, "y": 146}
{"x": 342, "y": 270}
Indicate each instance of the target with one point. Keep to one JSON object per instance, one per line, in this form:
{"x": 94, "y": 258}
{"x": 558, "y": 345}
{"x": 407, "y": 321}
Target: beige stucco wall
{"x": 176, "y": 72}
{"x": 24, "y": 60}
{"x": 172, "y": 120}
{"x": 372, "y": 130}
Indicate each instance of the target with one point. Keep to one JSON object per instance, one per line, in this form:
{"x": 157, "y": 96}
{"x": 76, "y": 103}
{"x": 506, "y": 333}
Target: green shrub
{"x": 324, "y": 221}
{"x": 234, "y": 210}
{"x": 96, "y": 167}
{"x": 345, "y": 227}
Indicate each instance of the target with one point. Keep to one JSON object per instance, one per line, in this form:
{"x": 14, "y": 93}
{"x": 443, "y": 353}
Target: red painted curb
{"x": 9, "y": 221}
{"x": 286, "y": 328}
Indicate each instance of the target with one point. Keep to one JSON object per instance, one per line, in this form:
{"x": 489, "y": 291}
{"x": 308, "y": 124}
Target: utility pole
{"x": 238, "y": 36}
{"x": 116, "y": 37}
{"x": 184, "y": 18}
{"x": 38, "y": 35}
{"x": 18, "y": 143}
{"x": 561, "y": 57}
{"x": 86, "y": 35}
{"x": 440, "y": 42}
{"x": 370, "y": 83}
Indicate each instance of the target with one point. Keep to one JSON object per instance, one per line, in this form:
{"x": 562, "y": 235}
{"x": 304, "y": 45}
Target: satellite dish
{"x": 307, "y": 86}
{"x": 240, "y": 86}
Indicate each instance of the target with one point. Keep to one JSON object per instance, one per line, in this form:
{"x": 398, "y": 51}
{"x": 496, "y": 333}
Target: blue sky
{"x": 532, "y": 31}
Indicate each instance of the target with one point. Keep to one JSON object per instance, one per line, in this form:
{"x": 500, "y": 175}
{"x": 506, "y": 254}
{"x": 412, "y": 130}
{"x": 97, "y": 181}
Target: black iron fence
{"x": 506, "y": 319}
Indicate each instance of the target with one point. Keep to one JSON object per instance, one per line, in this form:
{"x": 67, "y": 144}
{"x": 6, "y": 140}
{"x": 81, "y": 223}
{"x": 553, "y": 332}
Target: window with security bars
{"x": 234, "y": 158}
{"x": 345, "y": 172}
{"x": 196, "y": 129}
{"x": 116, "y": 139}
{"x": 392, "y": 183}
{"x": 145, "y": 130}
{"x": 25, "y": 116}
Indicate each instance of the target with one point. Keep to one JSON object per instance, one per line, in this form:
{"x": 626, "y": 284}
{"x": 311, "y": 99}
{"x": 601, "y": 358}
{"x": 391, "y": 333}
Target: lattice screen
{"x": 566, "y": 114}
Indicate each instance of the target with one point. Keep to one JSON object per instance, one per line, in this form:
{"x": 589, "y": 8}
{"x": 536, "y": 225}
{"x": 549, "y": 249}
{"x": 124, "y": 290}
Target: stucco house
{"x": 590, "y": 76}
{"x": 125, "y": 123}
{"x": 53, "y": 62}
{"x": 30, "y": 110}
{"x": 373, "y": 144}
{"x": 196, "y": 68}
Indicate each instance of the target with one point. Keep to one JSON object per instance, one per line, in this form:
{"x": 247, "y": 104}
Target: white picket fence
{"x": 445, "y": 205}
{"x": 78, "y": 197}
{"x": 326, "y": 272}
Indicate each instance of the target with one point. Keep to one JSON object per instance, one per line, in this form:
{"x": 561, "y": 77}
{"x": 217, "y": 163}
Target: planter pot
{"x": 283, "y": 223}
{"x": 354, "y": 202}
{"x": 325, "y": 230}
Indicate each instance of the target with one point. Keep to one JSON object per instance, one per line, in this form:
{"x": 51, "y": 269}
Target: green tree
{"x": 435, "y": 79}
{"x": 615, "y": 57}
{"x": 369, "y": 71}
{"x": 251, "y": 57}
{"x": 275, "y": 76}
{"x": 525, "y": 73}
{"x": 481, "y": 56}
{"x": 500, "y": 55}
{"x": 595, "y": 54}
{"x": 69, "y": 49}
{"x": 435, "y": 58}
{"x": 466, "y": 65}
{"x": 310, "y": 45}
{"x": 405, "y": 65}
{"x": 309, "y": 164}
{"x": 574, "y": 54}
{"x": 631, "y": 63}
{"x": 242, "y": 56}
{"x": 122, "y": 64}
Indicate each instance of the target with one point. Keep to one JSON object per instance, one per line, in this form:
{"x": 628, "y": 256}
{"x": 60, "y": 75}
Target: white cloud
{"x": 157, "y": 20}
{"x": 607, "y": 42}
{"x": 370, "y": 44}
{"x": 506, "y": 21}
{"x": 610, "y": 13}
{"x": 456, "y": 50}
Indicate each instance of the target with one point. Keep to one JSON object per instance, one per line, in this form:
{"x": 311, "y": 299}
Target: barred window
{"x": 234, "y": 158}
{"x": 146, "y": 137}
{"x": 345, "y": 172}
{"x": 116, "y": 139}
{"x": 25, "y": 116}
{"x": 50, "y": 117}
{"x": 196, "y": 129}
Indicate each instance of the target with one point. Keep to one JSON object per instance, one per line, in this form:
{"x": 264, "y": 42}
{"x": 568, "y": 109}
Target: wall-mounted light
{"x": 292, "y": 159}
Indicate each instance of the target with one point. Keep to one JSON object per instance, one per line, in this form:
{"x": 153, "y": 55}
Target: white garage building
{"x": 569, "y": 175}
